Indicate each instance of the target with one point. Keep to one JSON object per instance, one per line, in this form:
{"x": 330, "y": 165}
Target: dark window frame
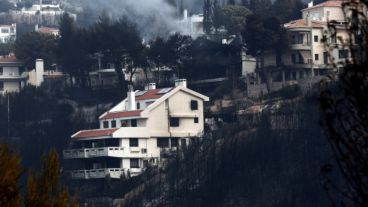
{"x": 315, "y": 37}
{"x": 194, "y": 105}
{"x": 134, "y": 163}
{"x": 316, "y": 56}
{"x": 162, "y": 142}
{"x": 133, "y": 123}
{"x": 196, "y": 120}
{"x": 133, "y": 142}
{"x": 113, "y": 124}
{"x": 174, "y": 122}
{"x": 105, "y": 124}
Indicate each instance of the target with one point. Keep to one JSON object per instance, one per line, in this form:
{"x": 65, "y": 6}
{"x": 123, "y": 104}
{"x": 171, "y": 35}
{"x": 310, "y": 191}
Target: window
{"x": 343, "y": 53}
{"x": 162, "y": 142}
{"x": 196, "y": 120}
{"x": 4, "y": 30}
{"x": 133, "y": 142}
{"x": 138, "y": 105}
{"x": 134, "y": 163}
{"x": 316, "y": 57}
{"x": 315, "y": 38}
{"x": 123, "y": 123}
{"x": 193, "y": 105}
{"x": 174, "y": 142}
{"x": 1, "y": 70}
{"x": 105, "y": 124}
{"x": 133, "y": 122}
{"x": 174, "y": 122}
{"x": 113, "y": 124}
{"x": 1, "y": 86}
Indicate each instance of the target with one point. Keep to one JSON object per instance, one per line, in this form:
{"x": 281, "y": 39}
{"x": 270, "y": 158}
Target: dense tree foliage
{"x": 34, "y": 45}
{"x": 344, "y": 107}
{"x": 10, "y": 171}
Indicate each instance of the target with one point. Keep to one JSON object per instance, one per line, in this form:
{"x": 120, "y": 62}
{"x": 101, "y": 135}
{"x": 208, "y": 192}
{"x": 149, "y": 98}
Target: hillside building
{"x": 137, "y": 132}
{"x": 11, "y": 77}
{"x": 8, "y": 33}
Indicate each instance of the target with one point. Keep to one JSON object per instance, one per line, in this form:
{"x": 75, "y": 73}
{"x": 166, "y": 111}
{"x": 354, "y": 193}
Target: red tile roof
{"x": 94, "y": 133}
{"x": 331, "y": 3}
{"x": 48, "y": 30}
{"x": 150, "y": 94}
{"x": 8, "y": 59}
{"x": 302, "y": 23}
{"x": 121, "y": 114}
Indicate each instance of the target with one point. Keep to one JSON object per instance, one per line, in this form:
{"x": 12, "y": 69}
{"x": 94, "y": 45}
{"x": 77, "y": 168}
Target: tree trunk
{"x": 121, "y": 78}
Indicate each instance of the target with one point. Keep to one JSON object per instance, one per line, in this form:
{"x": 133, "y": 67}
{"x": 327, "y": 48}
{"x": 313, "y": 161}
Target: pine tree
{"x": 207, "y": 16}
{"x": 45, "y": 189}
{"x": 10, "y": 171}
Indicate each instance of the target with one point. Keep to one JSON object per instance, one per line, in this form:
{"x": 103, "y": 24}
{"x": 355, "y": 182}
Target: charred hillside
{"x": 277, "y": 163}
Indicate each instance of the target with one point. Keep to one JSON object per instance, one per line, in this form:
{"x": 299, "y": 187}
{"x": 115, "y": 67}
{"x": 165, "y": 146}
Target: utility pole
{"x": 8, "y": 116}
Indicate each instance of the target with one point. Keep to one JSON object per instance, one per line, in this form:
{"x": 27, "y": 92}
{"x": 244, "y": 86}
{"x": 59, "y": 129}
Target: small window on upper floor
{"x": 174, "y": 122}
{"x": 133, "y": 123}
{"x": 133, "y": 142}
{"x": 138, "y": 105}
{"x": 194, "y": 105}
{"x": 316, "y": 57}
{"x": 113, "y": 124}
{"x": 123, "y": 123}
{"x": 105, "y": 124}
{"x": 196, "y": 120}
{"x": 315, "y": 38}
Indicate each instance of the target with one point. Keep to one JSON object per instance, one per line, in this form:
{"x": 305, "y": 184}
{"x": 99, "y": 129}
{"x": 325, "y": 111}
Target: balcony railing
{"x": 98, "y": 173}
{"x": 302, "y": 46}
{"x": 93, "y": 152}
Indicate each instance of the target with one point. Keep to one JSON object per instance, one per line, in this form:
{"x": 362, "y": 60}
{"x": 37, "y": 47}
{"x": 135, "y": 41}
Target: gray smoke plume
{"x": 152, "y": 17}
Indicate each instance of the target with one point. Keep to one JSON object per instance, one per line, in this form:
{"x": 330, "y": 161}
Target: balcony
{"x": 98, "y": 173}
{"x": 94, "y": 152}
{"x": 302, "y": 46}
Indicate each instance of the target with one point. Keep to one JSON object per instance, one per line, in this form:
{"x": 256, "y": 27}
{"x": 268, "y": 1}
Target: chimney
{"x": 36, "y": 27}
{"x": 185, "y": 13}
{"x": 181, "y": 82}
{"x": 310, "y": 4}
{"x": 39, "y": 71}
{"x": 150, "y": 86}
{"x": 131, "y": 99}
{"x": 309, "y": 20}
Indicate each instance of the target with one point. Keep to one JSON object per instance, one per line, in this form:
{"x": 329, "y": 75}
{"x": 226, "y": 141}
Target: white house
{"x": 308, "y": 54}
{"x": 192, "y": 25}
{"x": 11, "y": 78}
{"x": 8, "y": 33}
{"x": 137, "y": 132}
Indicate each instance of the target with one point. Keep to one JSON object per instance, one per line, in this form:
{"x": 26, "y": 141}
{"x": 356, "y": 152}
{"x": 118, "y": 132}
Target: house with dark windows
{"x": 137, "y": 132}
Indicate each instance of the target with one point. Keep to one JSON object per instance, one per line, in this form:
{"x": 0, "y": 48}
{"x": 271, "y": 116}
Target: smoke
{"x": 153, "y": 17}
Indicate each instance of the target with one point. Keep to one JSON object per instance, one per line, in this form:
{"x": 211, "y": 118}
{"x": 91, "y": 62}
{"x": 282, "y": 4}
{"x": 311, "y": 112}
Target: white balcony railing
{"x": 94, "y": 152}
{"x": 115, "y": 173}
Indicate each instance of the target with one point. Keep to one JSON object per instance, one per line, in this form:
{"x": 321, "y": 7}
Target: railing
{"x": 115, "y": 173}
{"x": 93, "y": 152}
{"x": 302, "y": 46}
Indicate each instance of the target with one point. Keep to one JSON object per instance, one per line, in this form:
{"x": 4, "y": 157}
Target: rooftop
{"x": 8, "y": 59}
{"x": 121, "y": 114}
{"x": 331, "y": 3}
{"x": 93, "y": 133}
{"x": 151, "y": 94}
{"x": 302, "y": 23}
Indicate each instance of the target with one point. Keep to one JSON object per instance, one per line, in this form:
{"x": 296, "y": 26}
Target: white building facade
{"x": 137, "y": 132}
{"x": 8, "y": 33}
{"x": 313, "y": 47}
{"x": 11, "y": 77}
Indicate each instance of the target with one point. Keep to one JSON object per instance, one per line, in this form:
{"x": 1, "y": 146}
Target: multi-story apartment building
{"x": 8, "y": 33}
{"x": 134, "y": 133}
{"x": 11, "y": 78}
{"x": 312, "y": 45}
